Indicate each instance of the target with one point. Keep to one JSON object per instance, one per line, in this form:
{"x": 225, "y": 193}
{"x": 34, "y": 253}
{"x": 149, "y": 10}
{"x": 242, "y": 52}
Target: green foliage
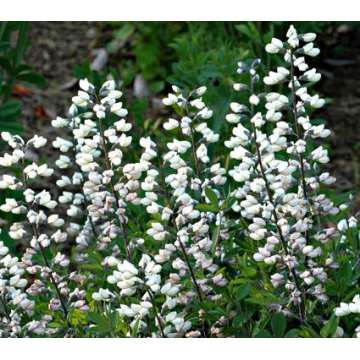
{"x": 14, "y": 42}
{"x": 278, "y": 324}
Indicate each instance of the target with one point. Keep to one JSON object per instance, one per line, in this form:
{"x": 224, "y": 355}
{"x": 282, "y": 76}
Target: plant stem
{"x": 6, "y": 311}
{"x": 195, "y": 283}
{"x": 52, "y": 278}
{"x": 157, "y": 314}
{"x": 271, "y": 200}
{"x": 196, "y": 160}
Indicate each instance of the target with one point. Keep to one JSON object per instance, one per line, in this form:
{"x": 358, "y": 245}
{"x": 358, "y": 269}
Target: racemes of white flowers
{"x": 276, "y": 162}
{"x": 33, "y": 207}
{"x": 169, "y": 228}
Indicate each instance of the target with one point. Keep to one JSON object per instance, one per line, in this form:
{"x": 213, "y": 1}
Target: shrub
{"x": 190, "y": 234}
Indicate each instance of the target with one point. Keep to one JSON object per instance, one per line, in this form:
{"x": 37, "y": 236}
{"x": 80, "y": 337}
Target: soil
{"x": 56, "y": 48}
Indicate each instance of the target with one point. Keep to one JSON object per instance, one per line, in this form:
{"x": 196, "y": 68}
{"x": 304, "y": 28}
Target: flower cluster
{"x": 278, "y": 170}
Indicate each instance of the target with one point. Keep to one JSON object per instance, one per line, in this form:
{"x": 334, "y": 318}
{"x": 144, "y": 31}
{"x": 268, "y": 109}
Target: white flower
{"x": 309, "y": 37}
{"x": 55, "y": 220}
{"x": 38, "y": 141}
{"x": 311, "y": 75}
{"x": 205, "y": 113}
{"x": 102, "y": 295}
{"x": 201, "y": 153}
{"x": 170, "y": 100}
{"x": 169, "y": 290}
{"x": 274, "y": 78}
{"x": 11, "y": 205}
{"x": 157, "y": 231}
{"x": 17, "y": 231}
{"x": 171, "y": 124}
{"x": 122, "y": 125}
{"x": 310, "y": 50}
{"x": 115, "y": 157}
{"x": 8, "y": 181}
{"x": 85, "y": 85}
{"x": 274, "y": 47}
{"x": 254, "y": 100}
{"x": 321, "y": 155}
{"x": 59, "y": 122}
{"x": 342, "y": 225}
{"x": 119, "y": 110}
{"x": 342, "y": 310}
{"x": 62, "y": 144}
{"x": 63, "y": 162}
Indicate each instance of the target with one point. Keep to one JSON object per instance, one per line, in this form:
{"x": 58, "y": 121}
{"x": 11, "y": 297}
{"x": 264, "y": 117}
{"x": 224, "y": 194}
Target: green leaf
{"x": 328, "y": 330}
{"x": 263, "y": 333}
{"x": 293, "y": 333}
{"x": 206, "y": 207}
{"x": 135, "y": 328}
{"x": 242, "y": 291}
{"x": 260, "y": 297}
{"x": 6, "y": 65}
{"x": 211, "y": 195}
{"x": 22, "y": 42}
{"x": 32, "y": 78}
{"x": 240, "y": 319}
{"x": 279, "y": 324}
{"x": 308, "y": 332}
{"x": 215, "y": 238}
{"x": 103, "y": 324}
{"x": 10, "y": 109}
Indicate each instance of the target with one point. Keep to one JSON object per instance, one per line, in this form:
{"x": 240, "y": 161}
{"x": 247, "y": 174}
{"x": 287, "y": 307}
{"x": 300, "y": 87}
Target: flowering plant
{"x": 186, "y": 233}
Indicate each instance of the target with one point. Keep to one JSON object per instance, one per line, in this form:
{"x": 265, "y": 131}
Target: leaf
{"x": 328, "y": 330}
{"x": 229, "y": 202}
{"x": 260, "y": 297}
{"x": 6, "y": 65}
{"x": 55, "y": 325}
{"x": 240, "y": 319}
{"x": 263, "y": 333}
{"x": 308, "y": 332}
{"x": 13, "y": 127}
{"x": 243, "y": 291}
{"x": 78, "y": 317}
{"x": 32, "y": 78}
{"x": 22, "y": 42}
{"x": 103, "y": 324}
{"x": 345, "y": 273}
{"x": 206, "y": 207}
{"x": 5, "y": 45}
{"x": 293, "y": 333}
{"x": 279, "y": 324}
{"x": 215, "y": 238}
{"x": 10, "y": 109}
{"x": 211, "y": 195}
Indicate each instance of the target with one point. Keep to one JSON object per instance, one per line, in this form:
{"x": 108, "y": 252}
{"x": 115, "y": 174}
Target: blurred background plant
{"x": 14, "y": 73}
